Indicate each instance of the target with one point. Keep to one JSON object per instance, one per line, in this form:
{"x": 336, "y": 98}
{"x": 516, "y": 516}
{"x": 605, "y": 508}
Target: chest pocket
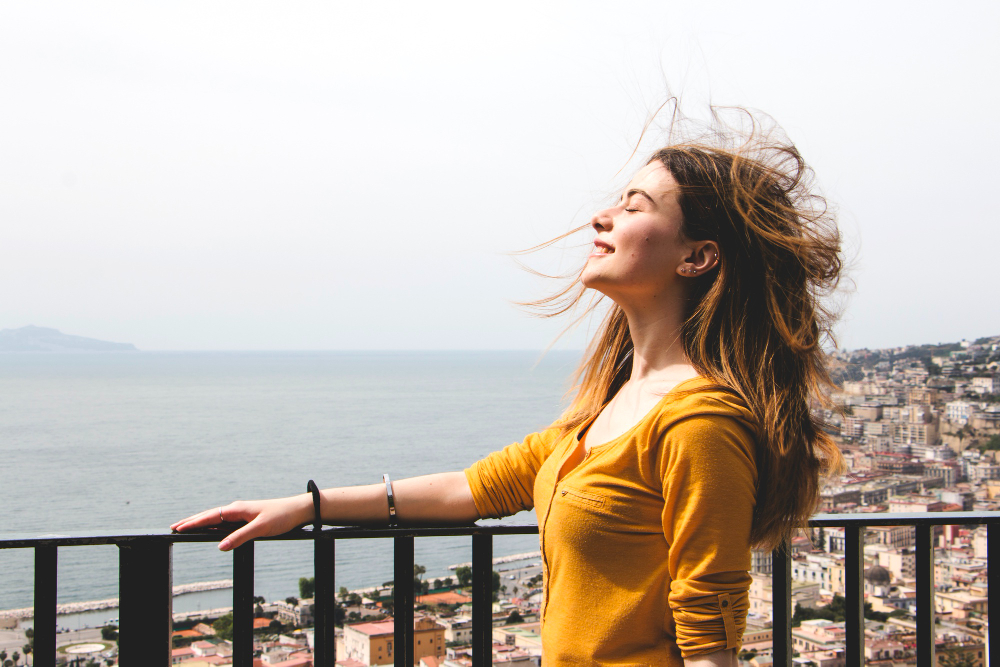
{"x": 582, "y": 498}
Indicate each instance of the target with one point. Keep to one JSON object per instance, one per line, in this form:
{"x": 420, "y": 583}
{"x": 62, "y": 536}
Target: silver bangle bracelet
{"x": 391, "y": 498}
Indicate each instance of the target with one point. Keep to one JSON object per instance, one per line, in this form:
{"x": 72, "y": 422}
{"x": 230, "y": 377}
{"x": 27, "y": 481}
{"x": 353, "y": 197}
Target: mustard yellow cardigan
{"x": 645, "y": 543}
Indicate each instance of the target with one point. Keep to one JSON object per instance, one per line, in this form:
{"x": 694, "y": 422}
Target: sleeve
{"x": 709, "y": 478}
{"x": 503, "y": 483}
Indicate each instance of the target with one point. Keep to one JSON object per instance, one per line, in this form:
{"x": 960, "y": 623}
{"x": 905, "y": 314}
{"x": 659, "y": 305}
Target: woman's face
{"x": 639, "y": 251}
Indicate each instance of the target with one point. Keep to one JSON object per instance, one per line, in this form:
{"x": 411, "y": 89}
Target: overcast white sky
{"x": 245, "y": 175}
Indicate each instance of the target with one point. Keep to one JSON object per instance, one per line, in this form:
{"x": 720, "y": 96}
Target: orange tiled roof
{"x": 379, "y": 628}
{"x": 187, "y": 633}
{"x": 443, "y": 598}
{"x": 294, "y": 662}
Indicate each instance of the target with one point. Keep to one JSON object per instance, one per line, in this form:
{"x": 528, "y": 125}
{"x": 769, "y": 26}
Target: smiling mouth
{"x": 603, "y": 250}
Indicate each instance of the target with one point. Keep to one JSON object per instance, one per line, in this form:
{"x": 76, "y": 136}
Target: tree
{"x": 496, "y": 585}
{"x": 343, "y": 592}
{"x": 223, "y": 627}
{"x": 353, "y": 599}
{"x": 514, "y": 617}
{"x": 836, "y": 611}
{"x": 16, "y": 657}
{"x": 307, "y": 587}
{"x": 109, "y": 633}
{"x": 464, "y": 575}
{"x": 292, "y": 600}
{"x": 956, "y": 660}
{"x": 258, "y": 610}
{"x": 821, "y": 538}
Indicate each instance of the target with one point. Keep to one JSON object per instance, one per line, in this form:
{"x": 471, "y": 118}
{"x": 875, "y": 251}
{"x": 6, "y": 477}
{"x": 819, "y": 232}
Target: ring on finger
{"x": 222, "y": 519}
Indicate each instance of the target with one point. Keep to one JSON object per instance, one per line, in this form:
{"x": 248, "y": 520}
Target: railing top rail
{"x": 20, "y": 541}
{"x": 905, "y": 519}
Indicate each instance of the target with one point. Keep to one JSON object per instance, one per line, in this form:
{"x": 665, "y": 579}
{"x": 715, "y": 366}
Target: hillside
{"x": 43, "y": 339}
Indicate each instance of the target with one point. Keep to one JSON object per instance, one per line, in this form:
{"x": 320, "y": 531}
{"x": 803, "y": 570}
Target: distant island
{"x": 42, "y": 339}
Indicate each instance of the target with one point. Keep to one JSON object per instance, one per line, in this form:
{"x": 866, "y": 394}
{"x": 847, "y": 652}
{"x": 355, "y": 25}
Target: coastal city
{"x": 919, "y": 428}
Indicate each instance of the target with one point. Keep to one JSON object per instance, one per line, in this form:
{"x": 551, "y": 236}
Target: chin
{"x": 589, "y": 280}
{"x": 595, "y": 283}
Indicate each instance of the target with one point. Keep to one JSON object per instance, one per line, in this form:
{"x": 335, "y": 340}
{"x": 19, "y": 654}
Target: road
{"x": 521, "y": 571}
{"x": 14, "y": 640}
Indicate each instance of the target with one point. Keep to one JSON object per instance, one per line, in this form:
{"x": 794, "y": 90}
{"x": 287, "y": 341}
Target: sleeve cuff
{"x": 712, "y": 623}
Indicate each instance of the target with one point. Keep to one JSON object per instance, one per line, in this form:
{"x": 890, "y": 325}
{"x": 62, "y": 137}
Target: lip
{"x": 598, "y": 243}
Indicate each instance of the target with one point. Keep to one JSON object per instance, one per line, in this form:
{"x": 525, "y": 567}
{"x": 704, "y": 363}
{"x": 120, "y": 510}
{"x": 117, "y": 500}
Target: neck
{"x": 658, "y": 355}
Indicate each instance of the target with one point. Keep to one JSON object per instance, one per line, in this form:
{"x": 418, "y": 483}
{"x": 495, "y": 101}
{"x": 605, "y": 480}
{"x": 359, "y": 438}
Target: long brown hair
{"x": 756, "y": 323}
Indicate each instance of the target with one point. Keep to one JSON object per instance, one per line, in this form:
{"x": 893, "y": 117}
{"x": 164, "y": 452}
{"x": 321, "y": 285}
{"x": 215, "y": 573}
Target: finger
{"x": 245, "y": 534}
{"x": 191, "y": 521}
{"x": 210, "y": 517}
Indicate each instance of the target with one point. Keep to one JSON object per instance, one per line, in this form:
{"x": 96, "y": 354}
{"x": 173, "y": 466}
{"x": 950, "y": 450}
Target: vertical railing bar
{"x": 854, "y": 562}
{"x": 145, "y": 591}
{"x": 402, "y": 584}
{"x": 243, "y": 605}
{"x": 781, "y": 601}
{"x": 925, "y": 596}
{"x": 482, "y": 600}
{"x": 325, "y": 602}
{"x": 993, "y": 582}
{"x": 46, "y": 572}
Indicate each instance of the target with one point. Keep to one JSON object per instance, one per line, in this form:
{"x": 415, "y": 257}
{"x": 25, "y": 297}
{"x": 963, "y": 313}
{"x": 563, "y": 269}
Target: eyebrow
{"x": 637, "y": 191}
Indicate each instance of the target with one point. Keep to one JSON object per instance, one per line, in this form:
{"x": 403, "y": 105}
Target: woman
{"x": 690, "y": 437}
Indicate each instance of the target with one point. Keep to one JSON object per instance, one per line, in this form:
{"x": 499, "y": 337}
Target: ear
{"x": 702, "y": 258}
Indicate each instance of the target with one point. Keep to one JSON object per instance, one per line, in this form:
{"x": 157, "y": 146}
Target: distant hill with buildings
{"x": 948, "y": 359}
{"x": 43, "y": 339}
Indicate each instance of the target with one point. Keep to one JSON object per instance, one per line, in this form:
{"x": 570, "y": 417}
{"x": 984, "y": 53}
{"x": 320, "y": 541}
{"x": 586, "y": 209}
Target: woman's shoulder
{"x": 702, "y": 403}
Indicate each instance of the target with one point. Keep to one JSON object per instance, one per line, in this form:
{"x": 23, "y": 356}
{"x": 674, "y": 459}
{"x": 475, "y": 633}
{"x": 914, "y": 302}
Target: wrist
{"x": 303, "y": 509}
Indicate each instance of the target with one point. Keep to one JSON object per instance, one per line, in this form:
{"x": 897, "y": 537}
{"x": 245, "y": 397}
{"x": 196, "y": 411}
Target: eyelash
{"x": 632, "y": 210}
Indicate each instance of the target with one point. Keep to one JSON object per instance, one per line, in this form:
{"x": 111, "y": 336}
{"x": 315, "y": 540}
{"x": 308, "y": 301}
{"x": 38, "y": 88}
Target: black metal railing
{"x": 145, "y": 582}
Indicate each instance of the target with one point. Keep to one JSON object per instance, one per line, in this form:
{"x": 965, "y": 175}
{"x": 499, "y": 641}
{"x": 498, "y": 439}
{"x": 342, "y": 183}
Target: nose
{"x": 602, "y": 220}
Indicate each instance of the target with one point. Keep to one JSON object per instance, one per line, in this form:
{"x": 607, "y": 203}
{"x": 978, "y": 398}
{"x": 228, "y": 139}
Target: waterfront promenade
{"x": 112, "y": 603}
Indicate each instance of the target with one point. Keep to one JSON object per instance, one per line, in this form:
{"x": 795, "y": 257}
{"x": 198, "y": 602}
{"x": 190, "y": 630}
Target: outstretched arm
{"x": 442, "y": 497}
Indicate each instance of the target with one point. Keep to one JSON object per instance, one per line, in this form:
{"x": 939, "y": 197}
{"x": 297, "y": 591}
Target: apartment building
{"x": 372, "y": 643}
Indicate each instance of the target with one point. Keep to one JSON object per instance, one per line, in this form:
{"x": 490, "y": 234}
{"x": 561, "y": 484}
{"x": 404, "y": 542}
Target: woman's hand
{"x": 264, "y": 518}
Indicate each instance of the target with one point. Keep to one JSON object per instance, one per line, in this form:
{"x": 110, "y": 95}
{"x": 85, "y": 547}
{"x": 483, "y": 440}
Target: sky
{"x": 346, "y": 176}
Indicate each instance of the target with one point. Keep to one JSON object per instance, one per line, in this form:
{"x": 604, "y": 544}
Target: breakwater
{"x": 500, "y": 560}
{"x": 112, "y": 603}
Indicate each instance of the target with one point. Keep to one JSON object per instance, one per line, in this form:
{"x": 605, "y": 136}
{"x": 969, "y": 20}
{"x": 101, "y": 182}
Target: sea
{"x": 105, "y": 442}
